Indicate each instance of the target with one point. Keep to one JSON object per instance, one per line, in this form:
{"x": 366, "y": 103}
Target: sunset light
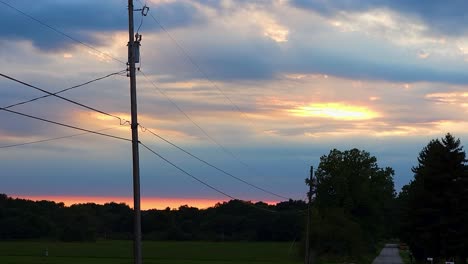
{"x": 228, "y": 131}
{"x": 146, "y": 202}
{"x": 336, "y": 111}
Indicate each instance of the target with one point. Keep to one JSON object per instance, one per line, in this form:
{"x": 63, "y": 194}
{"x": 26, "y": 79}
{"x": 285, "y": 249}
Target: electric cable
{"x": 193, "y": 121}
{"x": 64, "y": 90}
{"x": 212, "y": 139}
{"x": 122, "y": 121}
{"x": 51, "y": 139}
{"x": 197, "y": 66}
{"x": 201, "y": 181}
{"x": 187, "y": 173}
{"x": 213, "y": 166}
{"x": 65, "y": 125}
{"x": 96, "y": 110}
{"x": 44, "y": 96}
{"x": 99, "y": 111}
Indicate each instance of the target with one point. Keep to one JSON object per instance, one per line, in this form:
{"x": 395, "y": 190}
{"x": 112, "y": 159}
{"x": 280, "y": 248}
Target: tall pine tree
{"x": 436, "y": 209}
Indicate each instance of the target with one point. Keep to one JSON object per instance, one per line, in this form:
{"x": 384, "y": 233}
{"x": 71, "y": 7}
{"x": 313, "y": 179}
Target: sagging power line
{"x": 63, "y": 124}
{"x": 185, "y": 53}
{"x": 102, "y": 112}
{"x": 121, "y": 120}
{"x": 51, "y": 139}
{"x": 201, "y": 181}
{"x": 185, "y": 172}
{"x": 66, "y": 89}
{"x": 213, "y": 166}
{"x": 48, "y": 94}
{"x": 224, "y": 149}
{"x": 52, "y": 94}
{"x": 134, "y": 122}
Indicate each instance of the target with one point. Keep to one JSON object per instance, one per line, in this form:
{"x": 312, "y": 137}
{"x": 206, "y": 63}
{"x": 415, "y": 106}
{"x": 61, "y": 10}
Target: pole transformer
{"x": 132, "y": 48}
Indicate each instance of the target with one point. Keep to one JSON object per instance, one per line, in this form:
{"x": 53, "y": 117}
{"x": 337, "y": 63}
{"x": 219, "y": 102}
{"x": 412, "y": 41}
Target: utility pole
{"x": 309, "y": 216}
{"x": 134, "y": 125}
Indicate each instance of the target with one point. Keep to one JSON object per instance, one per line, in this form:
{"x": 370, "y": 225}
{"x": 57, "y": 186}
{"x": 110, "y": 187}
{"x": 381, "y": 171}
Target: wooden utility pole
{"x": 309, "y": 216}
{"x": 132, "y": 46}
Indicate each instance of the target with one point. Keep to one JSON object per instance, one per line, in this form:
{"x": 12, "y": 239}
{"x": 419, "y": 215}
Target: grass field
{"x": 120, "y": 252}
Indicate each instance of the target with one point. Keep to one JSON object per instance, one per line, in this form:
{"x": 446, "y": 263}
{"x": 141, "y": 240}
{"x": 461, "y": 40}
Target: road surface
{"x": 389, "y": 255}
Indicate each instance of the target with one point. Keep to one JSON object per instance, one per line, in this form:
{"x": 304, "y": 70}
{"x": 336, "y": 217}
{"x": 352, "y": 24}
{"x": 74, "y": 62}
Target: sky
{"x": 260, "y": 89}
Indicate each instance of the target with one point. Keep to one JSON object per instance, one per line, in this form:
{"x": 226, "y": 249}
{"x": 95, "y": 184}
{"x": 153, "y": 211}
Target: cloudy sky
{"x": 262, "y": 88}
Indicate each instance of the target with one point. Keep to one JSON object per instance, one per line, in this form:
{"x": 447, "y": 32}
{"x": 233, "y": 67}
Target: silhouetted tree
{"x": 435, "y": 203}
{"x": 233, "y": 220}
{"x": 353, "y": 199}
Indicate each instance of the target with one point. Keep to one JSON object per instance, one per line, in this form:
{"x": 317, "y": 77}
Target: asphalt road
{"x": 389, "y": 255}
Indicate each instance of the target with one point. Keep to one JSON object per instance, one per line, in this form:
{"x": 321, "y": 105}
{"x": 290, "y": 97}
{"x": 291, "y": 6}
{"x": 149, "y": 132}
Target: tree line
{"x": 227, "y": 221}
{"x": 354, "y": 207}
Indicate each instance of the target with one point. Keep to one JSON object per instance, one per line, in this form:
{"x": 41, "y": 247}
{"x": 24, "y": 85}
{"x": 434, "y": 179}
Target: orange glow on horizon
{"x": 146, "y": 202}
{"x": 337, "y": 111}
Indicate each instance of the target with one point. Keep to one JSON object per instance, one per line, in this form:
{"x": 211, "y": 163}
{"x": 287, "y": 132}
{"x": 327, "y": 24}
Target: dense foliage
{"x": 434, "y": 206}
{"x": 233, "y": 220}
{"x": 353, "y": 203}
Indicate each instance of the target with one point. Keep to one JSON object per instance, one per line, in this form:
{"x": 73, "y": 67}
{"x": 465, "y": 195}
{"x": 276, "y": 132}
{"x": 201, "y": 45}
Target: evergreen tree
{"x": 435, "y": 213}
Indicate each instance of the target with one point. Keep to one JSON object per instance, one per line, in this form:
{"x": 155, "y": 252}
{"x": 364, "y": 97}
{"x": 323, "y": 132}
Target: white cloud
{"x": 401, "y": 30}
{"x": 271, "y": 28}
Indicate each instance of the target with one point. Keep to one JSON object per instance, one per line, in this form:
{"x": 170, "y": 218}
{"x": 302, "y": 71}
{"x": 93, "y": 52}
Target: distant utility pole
{"x": 309, "y": 216}
{"x": 132, "y": 53}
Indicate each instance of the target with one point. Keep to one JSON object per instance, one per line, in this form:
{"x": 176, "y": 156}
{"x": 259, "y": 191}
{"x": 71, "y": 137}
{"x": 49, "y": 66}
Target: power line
{"x": 187, "y": 173}
{"x": 65, "y": 125}
{"x": 181, "y": 110}
{"x": 99, "y": 111}
{"x": 197, "y": 66}
{"x": 193, "y": 121}
{"x": 144, "y": 11}
{"x": 50, "y": 139}
{"x": 64, "y": 90}
{"x": 60, "y": 32}
{"x": 213, "y": 166}
{"x": 212, "y": 139}
{"x": 122, "y": 121}
{"x": 201, "y": 181}
{"x": 55, "y": 94}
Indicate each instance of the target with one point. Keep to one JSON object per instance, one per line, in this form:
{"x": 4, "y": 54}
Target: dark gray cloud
{"x": 80, "y": 19}
{"x": 262, "y": 59}
{"x": 226, "y": 57}
{"x": 217, "y": 4}
{"x": 212, "y": 54}
{"x": 355, "y": 67}
{"x": 241, "y": 62}
{"x": 444, "y": 17}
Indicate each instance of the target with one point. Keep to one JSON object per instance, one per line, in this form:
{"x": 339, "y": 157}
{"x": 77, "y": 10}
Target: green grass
{"x": 405, "y": 256}
{"x": 120, "y": 252}
{"x": 365, "y": 259}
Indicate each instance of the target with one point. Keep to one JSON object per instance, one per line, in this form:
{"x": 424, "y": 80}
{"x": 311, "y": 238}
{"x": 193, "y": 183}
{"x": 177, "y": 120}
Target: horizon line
{"x": 147, "y": 203}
